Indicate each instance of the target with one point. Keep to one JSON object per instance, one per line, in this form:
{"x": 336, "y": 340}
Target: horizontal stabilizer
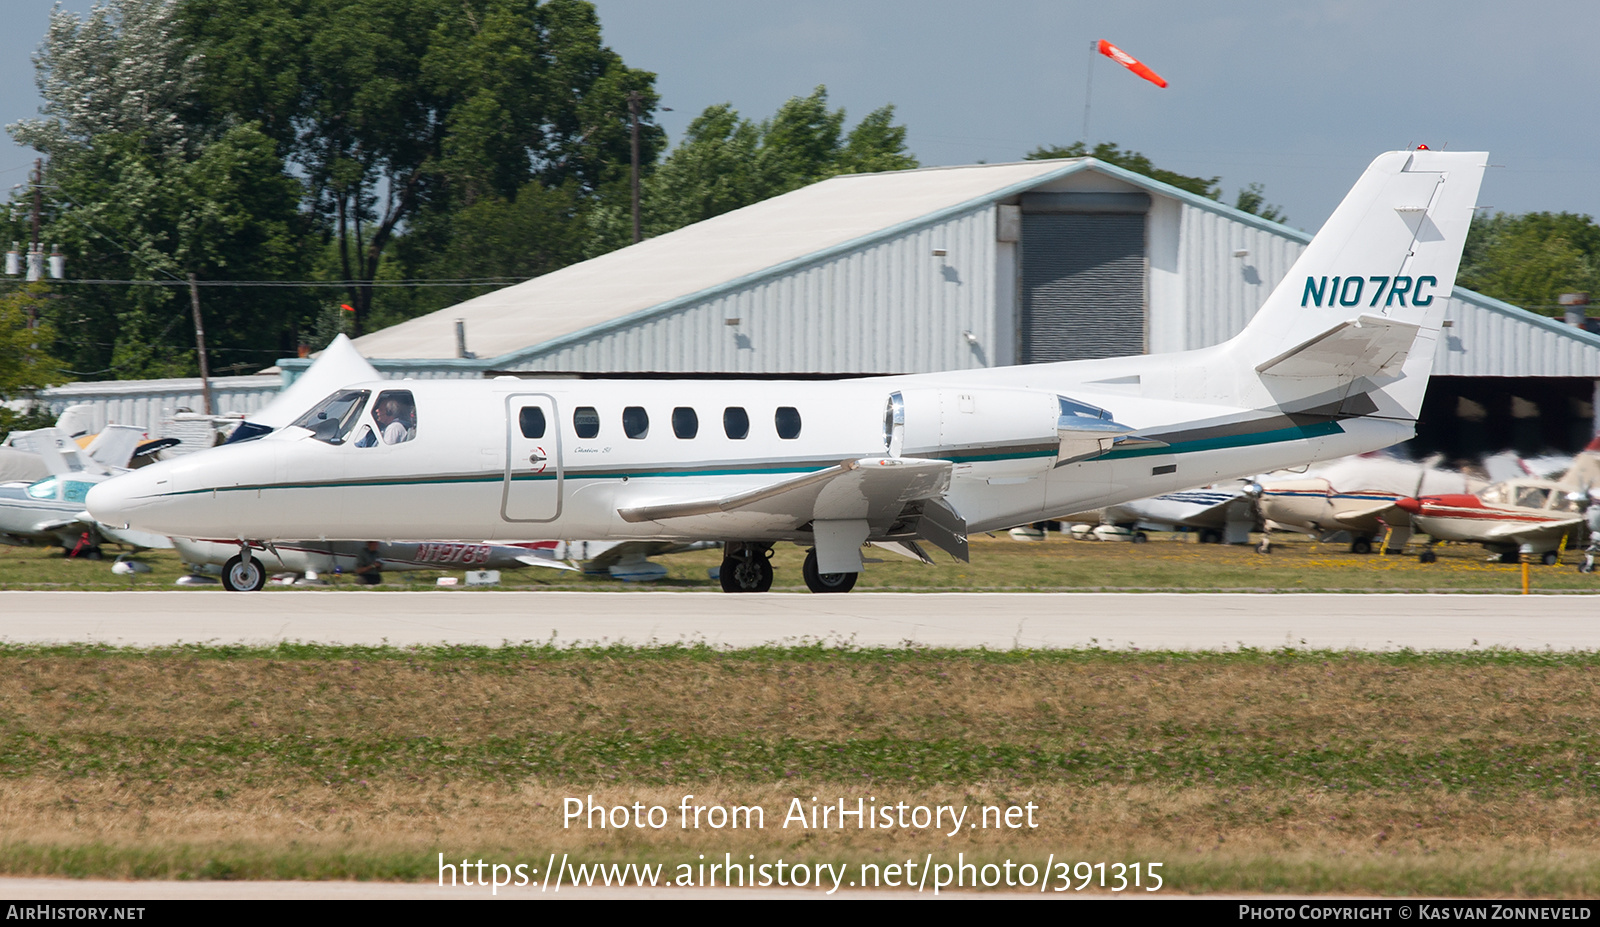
{"x": 1369, "y": 346}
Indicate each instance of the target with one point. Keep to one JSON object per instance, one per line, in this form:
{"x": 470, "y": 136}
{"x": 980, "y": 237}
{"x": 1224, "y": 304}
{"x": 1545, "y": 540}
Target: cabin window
{"x": 1532, "y": 497}
{"x": 735, "y": 423}
{"x": 531, "y": 420}
{"x": 332, "y": 419}
{"x": 585, "y": 422}
{"x": 788, "y": 421}
{"x": 635, "y": 422}
{"x": 685, "y": 423}
{"x": 394, "y": 419}
{"x": 44, "y": 489}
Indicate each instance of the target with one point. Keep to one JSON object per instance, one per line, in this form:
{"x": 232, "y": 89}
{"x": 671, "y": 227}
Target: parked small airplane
{"x": 1335, "y": 363}
{"x": 330, "y": 557}
{"x": 1219, "y": 514}
{"x": 1531, "y": 517}
{"x": 1358, "y": 495}
{"x": 1528, "y": 517}
{"x": 51, "y": 510}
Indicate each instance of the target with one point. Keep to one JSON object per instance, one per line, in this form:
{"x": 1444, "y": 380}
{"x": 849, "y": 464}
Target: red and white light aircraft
{"x": 1334, "y": 363}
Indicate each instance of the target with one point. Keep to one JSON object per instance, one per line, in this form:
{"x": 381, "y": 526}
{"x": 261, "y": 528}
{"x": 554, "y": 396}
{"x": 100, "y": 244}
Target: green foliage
{"x": 1252, "y": 199}
{"x": 393, "y": 109}
{"x": 1529, "y": 260}
{"x": 1130, "y": 161}
{"x": 25, "y": 361}
{"x": 726, "y": 162}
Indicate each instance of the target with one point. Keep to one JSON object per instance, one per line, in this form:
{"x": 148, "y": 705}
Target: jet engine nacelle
{"x": 1026, "y": 428}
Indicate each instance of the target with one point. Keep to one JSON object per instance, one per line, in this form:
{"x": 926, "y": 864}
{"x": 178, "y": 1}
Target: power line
{"x": 335, "y": 284}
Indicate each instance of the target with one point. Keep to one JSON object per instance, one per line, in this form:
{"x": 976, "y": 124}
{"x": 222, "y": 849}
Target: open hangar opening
{"x": 971, "y": 267}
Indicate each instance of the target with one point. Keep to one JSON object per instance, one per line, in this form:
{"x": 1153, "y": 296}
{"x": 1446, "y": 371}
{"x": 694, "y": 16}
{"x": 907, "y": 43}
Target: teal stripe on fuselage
{"x": 1276, "y": 436}
{"x": 1222, "y": 442}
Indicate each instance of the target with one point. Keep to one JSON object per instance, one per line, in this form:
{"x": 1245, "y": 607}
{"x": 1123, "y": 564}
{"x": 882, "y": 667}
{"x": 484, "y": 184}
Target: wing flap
{"x": 876, "y": 489}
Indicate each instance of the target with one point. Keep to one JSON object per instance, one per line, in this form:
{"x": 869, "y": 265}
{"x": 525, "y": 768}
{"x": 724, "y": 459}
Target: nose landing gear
{"x": 746, "y": 567}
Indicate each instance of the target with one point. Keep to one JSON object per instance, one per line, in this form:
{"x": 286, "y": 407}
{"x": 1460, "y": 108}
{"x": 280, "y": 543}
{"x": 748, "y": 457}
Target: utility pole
{"x": 633, "y": 120}
{"x": 200, "y": 341}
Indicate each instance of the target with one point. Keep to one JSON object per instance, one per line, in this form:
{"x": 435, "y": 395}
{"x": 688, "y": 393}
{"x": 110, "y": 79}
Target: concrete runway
{"x": 995, "y": 621}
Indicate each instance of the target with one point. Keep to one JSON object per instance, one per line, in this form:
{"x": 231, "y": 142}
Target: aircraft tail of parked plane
{"x": 1335, "y": 363}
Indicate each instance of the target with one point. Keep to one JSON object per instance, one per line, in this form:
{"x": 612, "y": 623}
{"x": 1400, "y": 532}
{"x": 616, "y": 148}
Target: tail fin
{"x": 1363, "y": 304}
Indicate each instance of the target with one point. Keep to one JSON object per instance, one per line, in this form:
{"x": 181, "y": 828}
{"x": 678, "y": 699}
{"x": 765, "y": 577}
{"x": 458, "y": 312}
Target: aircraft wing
{"x": 1524, "y": 533}
{"x": 874, "y": 489}
{"x": 1195, "y": 508}
{"x": 1369, "y": 519}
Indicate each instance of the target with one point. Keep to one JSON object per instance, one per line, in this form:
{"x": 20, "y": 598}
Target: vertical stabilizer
{"x": 1372, "y": 286}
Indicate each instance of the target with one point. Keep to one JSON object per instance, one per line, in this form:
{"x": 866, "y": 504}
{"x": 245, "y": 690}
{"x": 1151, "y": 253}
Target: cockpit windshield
{"x": 331, "y": 419}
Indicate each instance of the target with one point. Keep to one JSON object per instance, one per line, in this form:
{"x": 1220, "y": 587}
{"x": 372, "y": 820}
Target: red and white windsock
{"x": 1131, "y": 63}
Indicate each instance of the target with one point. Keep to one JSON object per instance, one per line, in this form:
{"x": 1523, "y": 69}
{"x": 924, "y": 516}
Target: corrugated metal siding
{"x": 146, "y": 402}
{"x": 1083, "y": 285}
{"x": 1490, "y": 341}
{"x": 890, "y": 307}
{"x": 1221, "y": 292}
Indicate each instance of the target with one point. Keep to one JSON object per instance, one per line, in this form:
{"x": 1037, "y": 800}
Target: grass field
{"x": 1394, "y": 773}
{"x": 1168, "y": 563}
{"x": 1398, "y": 773}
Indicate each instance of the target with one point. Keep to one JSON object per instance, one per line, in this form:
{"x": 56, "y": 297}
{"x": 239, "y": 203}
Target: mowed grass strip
{"x": 1166, "y": 564}
{"x": 1250, "y": 771}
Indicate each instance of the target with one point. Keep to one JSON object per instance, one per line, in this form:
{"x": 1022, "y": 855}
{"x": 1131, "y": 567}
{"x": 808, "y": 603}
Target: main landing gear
{"x": 825, "y": 582}
{"x": 746, "y": 567}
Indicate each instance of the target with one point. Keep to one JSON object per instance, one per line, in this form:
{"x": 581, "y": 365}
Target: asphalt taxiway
{"x": 994, "y": 621}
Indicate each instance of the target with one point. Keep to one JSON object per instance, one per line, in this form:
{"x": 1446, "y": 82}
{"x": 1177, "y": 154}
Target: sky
{"x": 1296, "y": 96}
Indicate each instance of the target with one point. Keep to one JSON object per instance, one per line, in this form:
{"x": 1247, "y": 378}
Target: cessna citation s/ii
{"x": 1334, "y": 363}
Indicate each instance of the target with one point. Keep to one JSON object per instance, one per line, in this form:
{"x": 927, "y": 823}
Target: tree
{"x": 1529, "y": 260}
{"x": 405, "y": 110}
{"x": 1131, "y": 161}
{"x": 25, "y": 361}
{"x": 726, "y": 162}
{"x": 140, "y": 188}
{"x": 1251, "y": 199}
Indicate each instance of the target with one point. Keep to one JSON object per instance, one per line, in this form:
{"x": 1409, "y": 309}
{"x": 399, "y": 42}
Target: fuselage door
{"x": 533, "y": 480}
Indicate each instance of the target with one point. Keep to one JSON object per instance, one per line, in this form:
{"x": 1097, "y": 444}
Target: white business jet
{"x": 1334, "y": 363}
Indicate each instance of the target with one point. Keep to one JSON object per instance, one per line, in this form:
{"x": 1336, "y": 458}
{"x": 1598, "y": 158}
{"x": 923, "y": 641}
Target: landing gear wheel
{"x": 1510, "y": 556}
{"x": 1550, "y": 558}
{"x": 1139, "y": 537}
{"x": 243, "y": 575}
{"x": 747, "y": 570}
{"x": 1361, "y": 546}
{"x": 1427, "y": 556}
{"x": 1265, "y": 547}
{"x": 825, "y": 582}
{"x": 1210, "y": 536}
{"x": 1585, "y": 567}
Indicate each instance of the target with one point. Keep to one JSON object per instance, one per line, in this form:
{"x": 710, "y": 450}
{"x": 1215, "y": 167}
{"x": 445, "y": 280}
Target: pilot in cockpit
{"x": 396, "y": 418}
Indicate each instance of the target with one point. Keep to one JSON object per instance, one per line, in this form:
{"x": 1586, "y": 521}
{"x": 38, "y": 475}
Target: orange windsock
{"x": 1131, "y": 63}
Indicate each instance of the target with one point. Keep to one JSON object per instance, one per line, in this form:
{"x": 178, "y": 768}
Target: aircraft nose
{"x": 113, "y": 501}
{"x": 1409, "y": 504}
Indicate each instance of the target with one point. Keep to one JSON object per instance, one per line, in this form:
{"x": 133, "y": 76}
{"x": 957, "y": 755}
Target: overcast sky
{"x": 1298, "y": 96}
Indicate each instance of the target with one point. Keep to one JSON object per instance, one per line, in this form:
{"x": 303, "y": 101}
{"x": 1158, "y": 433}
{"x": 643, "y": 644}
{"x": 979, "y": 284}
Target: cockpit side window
{"x": 331, "y": 419}
{"x": 394, "y": 419}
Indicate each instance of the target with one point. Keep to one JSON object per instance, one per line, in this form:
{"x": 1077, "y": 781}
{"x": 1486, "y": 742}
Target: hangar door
{"x": 1083, "y": 263}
